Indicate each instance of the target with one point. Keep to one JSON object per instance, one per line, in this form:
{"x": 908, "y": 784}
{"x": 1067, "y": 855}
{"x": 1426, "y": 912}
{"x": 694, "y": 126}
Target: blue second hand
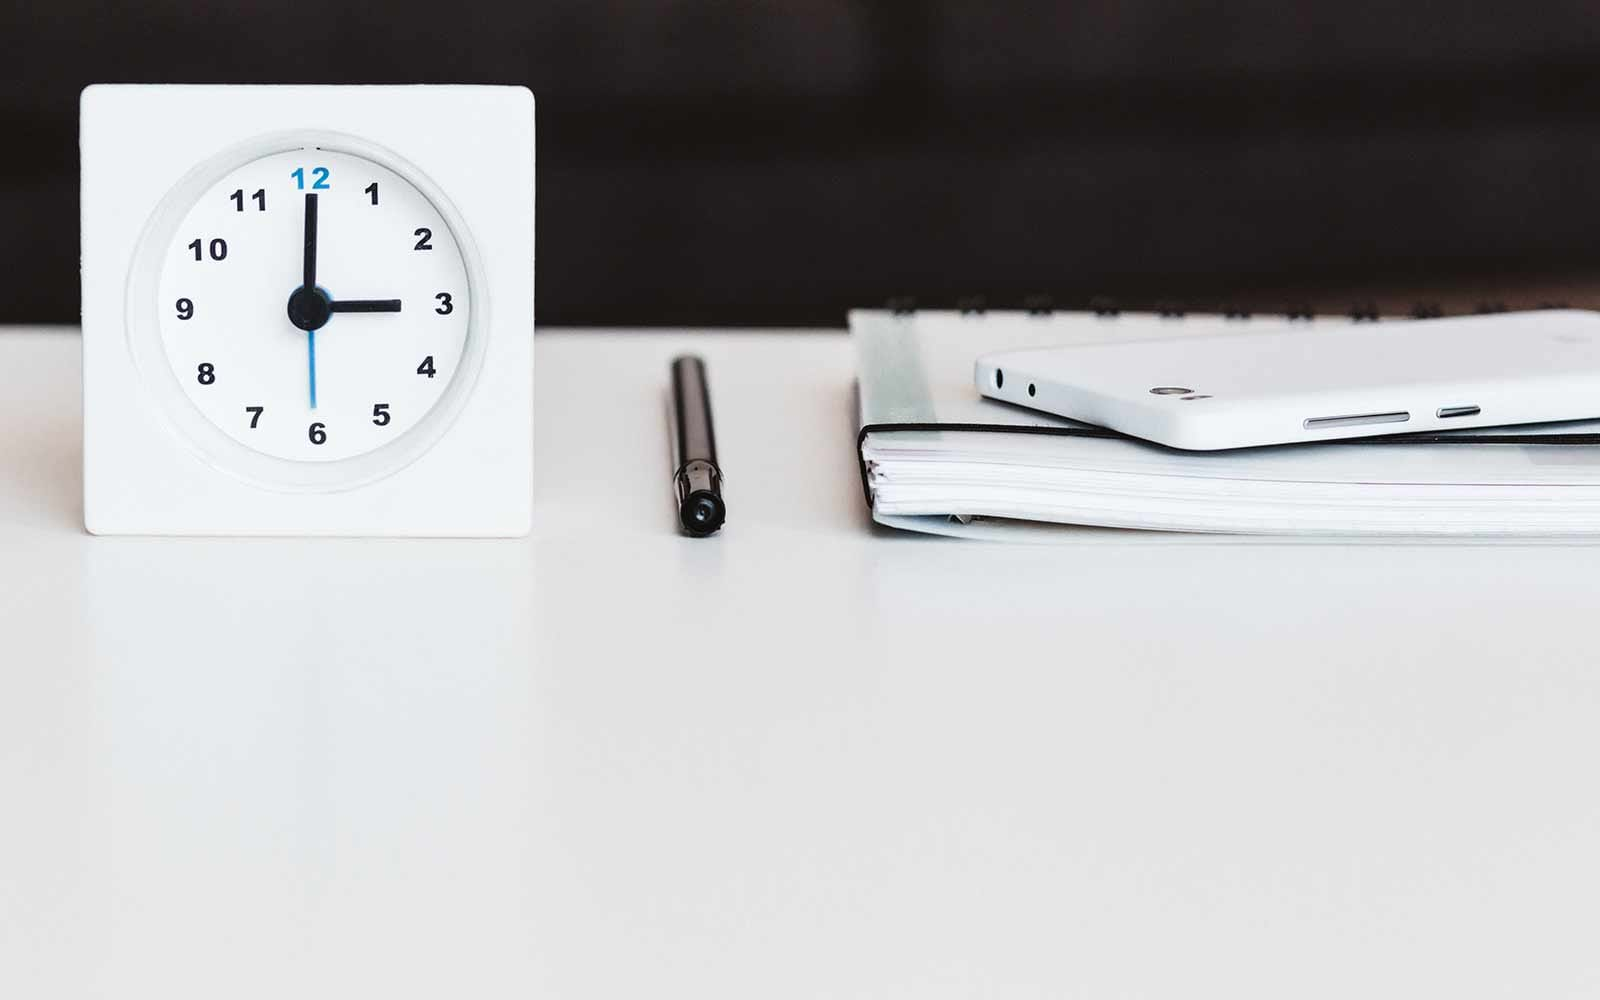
{"x": 311, "y": 356}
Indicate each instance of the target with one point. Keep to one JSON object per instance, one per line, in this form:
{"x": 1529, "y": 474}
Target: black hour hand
{"x": 365, "y": 305}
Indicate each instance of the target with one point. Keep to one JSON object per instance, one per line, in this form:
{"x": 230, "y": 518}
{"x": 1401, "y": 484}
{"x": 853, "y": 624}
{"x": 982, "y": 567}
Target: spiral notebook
{"x": 935, "y": 456}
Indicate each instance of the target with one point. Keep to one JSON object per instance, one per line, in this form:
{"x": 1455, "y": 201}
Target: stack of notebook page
{"x": 938, "y": 457}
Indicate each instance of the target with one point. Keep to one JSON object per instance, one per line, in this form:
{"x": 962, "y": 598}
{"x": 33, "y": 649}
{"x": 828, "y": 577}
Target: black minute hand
{"x": 365, "y": 305}
{"x": 308, "y": 306}
{"x": 311, "y": 243}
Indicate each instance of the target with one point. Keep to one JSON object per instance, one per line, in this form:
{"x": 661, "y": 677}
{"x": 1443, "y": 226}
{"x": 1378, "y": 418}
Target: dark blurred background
{"x": 768, "y": 163}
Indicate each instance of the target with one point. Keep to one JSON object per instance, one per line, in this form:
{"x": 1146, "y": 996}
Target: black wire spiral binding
{"x": 1039, "y": 305}
{"x": 1043, "y": 304}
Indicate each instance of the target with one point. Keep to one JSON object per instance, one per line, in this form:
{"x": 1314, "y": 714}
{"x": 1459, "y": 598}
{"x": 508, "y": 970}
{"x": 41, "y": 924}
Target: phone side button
{"x": 1356, "y": 419}
{"x": 1446, "y": 412}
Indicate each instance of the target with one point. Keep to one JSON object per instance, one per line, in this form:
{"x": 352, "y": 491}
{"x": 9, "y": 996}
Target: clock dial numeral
{"x": 206, "y": 374}
{"x": 260, "y": 198}
{"x": 255, "y": 414}
{"x": 380, "y": 414}
{"x": 426, "y": 368}
{"x": 372, "y": 191}
{"x": 319, "y": 178}
{"x": 218, "y": 249}
{"x": 185, "y": 309}
{"x": 423, "y": 235}
{"x": 446, "y": 307}
{"x": 318, "y": 433}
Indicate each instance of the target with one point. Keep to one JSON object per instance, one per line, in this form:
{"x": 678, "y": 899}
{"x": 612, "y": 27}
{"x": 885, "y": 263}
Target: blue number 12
{"x": 319, "y": 178}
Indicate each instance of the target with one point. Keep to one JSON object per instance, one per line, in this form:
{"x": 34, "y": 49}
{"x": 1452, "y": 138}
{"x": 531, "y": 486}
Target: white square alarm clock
{"x": 307, "y": 310}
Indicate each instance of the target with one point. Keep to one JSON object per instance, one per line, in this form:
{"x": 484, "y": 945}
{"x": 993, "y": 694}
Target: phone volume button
{"x": 1357, "y": 419}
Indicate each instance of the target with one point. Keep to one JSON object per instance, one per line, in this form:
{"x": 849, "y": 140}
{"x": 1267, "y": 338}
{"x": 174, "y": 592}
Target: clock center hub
{"x": 309, "y": 308}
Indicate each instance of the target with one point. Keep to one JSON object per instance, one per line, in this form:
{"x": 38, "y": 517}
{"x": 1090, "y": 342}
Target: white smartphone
{"x": 1316, "y": 382}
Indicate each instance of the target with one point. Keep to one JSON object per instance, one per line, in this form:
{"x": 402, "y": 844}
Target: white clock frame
{"x": 153, "y": 465}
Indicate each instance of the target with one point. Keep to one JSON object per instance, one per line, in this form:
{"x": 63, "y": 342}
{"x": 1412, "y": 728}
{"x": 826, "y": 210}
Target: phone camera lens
{"x": 999, "y": 379}
{"x": 1170, "y": 390}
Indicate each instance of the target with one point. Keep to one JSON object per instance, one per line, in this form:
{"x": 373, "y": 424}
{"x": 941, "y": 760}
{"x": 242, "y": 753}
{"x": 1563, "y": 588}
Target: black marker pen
{"x": 695, "y": 473}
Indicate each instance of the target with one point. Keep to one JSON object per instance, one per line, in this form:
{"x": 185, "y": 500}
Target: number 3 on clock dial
{"x": 335, "y": 372}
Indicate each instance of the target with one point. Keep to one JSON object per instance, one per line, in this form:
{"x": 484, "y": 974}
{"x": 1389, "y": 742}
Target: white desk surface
{"x": 808, "y": 758}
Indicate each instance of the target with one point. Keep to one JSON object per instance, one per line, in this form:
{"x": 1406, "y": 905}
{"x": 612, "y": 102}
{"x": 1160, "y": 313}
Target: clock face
{"x": 314, "y": 305}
